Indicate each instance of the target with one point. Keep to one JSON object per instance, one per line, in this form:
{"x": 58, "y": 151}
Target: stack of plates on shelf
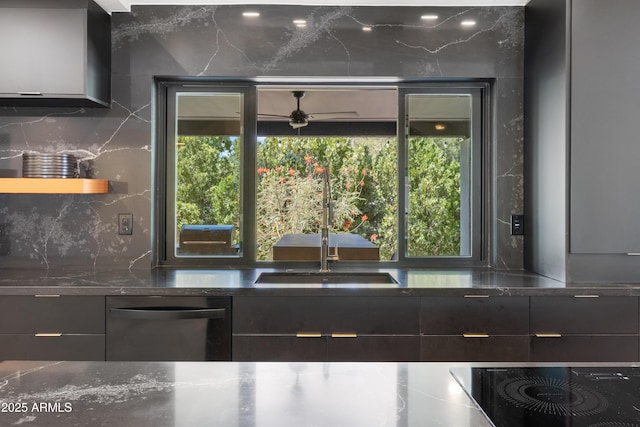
{"x": 49, "y": 166}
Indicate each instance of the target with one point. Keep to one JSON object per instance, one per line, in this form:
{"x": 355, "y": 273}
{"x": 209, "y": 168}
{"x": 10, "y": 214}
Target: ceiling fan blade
{"x": 272, "y": 115}
{"x": 334, "y": 115}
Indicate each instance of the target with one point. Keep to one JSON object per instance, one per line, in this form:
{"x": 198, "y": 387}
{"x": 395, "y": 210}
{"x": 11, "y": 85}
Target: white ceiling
{"x": 369, "y": 104}
{"x": 125, "y": 5}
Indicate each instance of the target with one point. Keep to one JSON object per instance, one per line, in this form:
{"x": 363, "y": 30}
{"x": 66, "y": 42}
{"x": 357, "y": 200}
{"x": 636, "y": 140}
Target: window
{"x": 363, "y": 177}
{"x": 442, "y": 179}
{"x": 240, "y": 170}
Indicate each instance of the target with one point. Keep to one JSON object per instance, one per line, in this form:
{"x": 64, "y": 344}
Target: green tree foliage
{"x": 208, "y": 176}
{"x": 289, "y": 201}
{"x": 383, "y": 202}
{"x": 289, "y": 196}
{"x": 364, "y": 183}
{"x": 434, "y": 197}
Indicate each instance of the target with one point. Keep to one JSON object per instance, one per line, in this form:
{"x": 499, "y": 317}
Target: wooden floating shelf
{"x": 53, "y": 186}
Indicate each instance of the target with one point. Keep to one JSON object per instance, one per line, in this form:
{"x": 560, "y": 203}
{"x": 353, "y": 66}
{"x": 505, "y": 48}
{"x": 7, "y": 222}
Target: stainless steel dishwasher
{"x": 158, "y": 328}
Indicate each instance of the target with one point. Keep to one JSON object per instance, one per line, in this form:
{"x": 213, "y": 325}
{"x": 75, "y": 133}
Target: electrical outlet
{"x": 125, "y": 224}
{"x": 517, "y": 225}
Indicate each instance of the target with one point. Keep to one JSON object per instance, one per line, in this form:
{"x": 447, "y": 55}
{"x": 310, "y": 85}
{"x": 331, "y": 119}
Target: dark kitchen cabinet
{"x": 52, "y": 327}
{"x": 275, "y": 348}
{"x": 584, "y": 328}
{"x": 320, "y": 348}
{"x": 66, "y": 346}
{"x": 55, "y": 53}
{"x": 581, "y": 108}
{"x": 475, "y": 328}
{"x": 475, "y": 348}
{"x": 326, "y": 328}
{"x": 584, "y": 348}
{"x": 605, "y": 57}
{"x": 586, "y": 314}
{"x": 373, "y": 348}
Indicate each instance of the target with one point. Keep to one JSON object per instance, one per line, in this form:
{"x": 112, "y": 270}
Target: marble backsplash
{"x": 45, "y": 231}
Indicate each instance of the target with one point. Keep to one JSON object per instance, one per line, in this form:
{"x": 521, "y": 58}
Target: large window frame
{"x": 479, "y": 191}
{"x": 166, "y": 90}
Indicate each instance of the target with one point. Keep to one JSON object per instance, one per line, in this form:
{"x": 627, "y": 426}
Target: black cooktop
{"x": 555, "y": 396}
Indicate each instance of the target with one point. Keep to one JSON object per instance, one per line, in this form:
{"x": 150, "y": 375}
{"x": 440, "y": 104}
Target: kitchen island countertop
{"x": 241, "y": 394}
{"x": 215, "y": 282}
{"x": 231, "y": 394}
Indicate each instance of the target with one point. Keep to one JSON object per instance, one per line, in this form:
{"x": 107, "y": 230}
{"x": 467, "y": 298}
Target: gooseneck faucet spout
{"x": 327, "y": 218}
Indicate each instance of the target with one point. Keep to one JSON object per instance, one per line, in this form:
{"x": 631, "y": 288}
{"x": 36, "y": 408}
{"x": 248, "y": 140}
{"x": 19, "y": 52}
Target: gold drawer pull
{"x": 548, "y": 335}
{"x": 46, "y": 296}
{"x": 344, "y": 335}
{"x": 308, "y": 335}
{"x": 475, "y": 335}
{"x": 49, "y": 334}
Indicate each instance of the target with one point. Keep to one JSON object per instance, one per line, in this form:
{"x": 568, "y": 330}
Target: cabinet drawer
{"x": 579, "y": 315}
{"x": 374, "y": 349}
{"x": 459, "y": 315}
{"x": 612, "y": 348}
{"x": 361, "y": 315}
{"x": 64, "y": 347}
{"x": 63, "y": 314}
{"x": 279, "y": 349}
{"x": 457, "y": 348}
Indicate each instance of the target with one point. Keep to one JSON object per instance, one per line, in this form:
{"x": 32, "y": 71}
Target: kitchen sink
{"x": 330, "y": 278}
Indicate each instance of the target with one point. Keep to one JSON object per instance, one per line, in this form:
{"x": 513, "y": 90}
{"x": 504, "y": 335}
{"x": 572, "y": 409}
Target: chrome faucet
{"x": 327, "y": 218}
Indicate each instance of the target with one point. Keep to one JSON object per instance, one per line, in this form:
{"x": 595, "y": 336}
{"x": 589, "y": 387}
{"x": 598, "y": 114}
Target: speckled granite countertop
{"x": 414, "y": 282}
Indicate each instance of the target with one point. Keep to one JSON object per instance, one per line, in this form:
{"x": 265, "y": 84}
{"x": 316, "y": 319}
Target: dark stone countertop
{"x": 230, "y": 394}
{"x": 204, "y": 282}
{"x": 227, "y": 394}
{"x": 234, "y": 394}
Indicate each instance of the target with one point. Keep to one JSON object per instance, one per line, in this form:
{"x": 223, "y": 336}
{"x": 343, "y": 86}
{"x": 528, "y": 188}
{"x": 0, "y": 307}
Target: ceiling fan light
{"x": 298, "y": 118}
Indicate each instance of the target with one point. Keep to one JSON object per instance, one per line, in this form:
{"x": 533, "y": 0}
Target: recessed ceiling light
{"x": 251, "y": 14}
{"x": 429, "y": 17}
{"x": 366, "y": 28}
{"x": 468, "y": 23}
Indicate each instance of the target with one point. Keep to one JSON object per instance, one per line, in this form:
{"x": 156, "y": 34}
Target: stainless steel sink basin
{"x": 332, "y": 277}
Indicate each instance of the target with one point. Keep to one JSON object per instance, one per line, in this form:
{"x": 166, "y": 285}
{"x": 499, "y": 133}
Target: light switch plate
{"x": 125, "y": 224}
{"x": 517, "y": 225}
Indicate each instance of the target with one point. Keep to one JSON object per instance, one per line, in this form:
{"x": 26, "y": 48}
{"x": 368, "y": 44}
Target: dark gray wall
{"x": 51, "y": 230}
{"x": 546, "y": 132}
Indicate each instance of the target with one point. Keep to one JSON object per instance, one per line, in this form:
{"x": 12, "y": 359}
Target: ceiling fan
{"x": 299, "y": 118}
